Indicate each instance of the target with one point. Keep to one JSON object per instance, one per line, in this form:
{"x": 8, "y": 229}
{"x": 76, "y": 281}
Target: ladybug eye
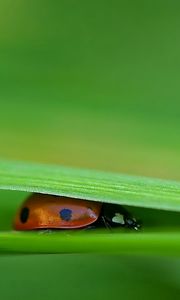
{"x": 24, "y": 214}
{"x": 66, "y": 214}
{"x": 130, "y": 222}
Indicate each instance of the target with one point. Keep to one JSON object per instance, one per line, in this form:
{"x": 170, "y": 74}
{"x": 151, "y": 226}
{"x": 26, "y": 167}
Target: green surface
{"x": 91, "y": 85}
{"x": 120, "y": 242}
{"x": 90, "y": 185}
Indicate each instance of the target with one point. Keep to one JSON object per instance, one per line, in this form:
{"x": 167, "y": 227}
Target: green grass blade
{"x": 107, "y": 243}
{"x": 89, "y": 184}
{"x": 159, "y": 233}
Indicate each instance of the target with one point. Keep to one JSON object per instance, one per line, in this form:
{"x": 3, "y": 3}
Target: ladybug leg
{"x": 90, "y": 227}
{"x": 100, "y": 223}
{"x": 45, "y": 231}
{"x": 105, "y": 222}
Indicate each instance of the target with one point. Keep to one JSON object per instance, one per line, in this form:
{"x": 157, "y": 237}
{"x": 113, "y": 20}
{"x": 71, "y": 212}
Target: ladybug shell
{"x": 47, "y": 211}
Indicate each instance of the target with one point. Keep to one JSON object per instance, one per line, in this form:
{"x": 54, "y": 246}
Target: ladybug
{"x": 41, "y": 211}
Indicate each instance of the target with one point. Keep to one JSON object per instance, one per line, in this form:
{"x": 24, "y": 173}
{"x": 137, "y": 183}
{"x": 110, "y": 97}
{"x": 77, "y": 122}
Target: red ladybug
{"x": 42, "y": 211}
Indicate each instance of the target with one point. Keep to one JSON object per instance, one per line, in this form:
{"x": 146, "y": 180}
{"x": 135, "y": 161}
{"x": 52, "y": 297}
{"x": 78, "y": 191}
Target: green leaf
{"x": 90, "y": 242}
{"x": 90, "y": 185}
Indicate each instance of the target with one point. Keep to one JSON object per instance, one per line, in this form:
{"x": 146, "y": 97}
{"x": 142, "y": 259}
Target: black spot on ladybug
{"x": 24, "y": 214}
{"x": 66, "y": 214}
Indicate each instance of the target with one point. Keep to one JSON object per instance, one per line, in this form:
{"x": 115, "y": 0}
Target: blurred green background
{"x": 90, "y": 84}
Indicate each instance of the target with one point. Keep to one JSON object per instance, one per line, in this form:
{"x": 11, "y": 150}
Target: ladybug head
{"x": 126, "y": 221}
{"x": 117, "y": 215}
{"x": 132, "y": 223}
